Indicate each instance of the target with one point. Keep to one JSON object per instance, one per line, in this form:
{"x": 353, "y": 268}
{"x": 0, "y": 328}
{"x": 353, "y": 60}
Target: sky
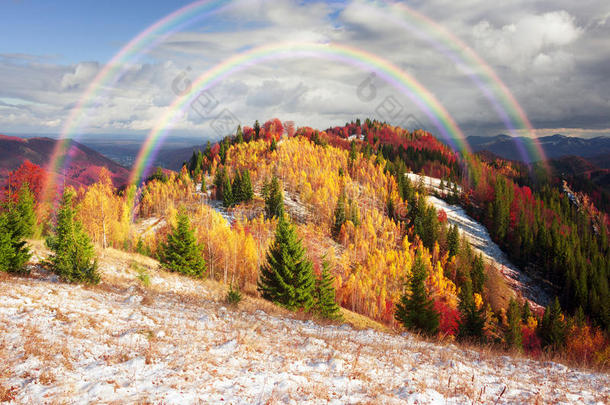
{"x": 553, "y": 57}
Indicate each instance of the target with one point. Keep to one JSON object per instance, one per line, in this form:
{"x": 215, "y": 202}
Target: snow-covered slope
{"x": 176, "y": 342}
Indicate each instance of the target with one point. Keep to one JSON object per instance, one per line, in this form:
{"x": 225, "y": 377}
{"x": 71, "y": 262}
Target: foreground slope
{"x": 175, "y": 341}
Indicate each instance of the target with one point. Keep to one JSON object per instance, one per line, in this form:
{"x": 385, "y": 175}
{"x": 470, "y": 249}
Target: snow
{"x": 176, "y": 342}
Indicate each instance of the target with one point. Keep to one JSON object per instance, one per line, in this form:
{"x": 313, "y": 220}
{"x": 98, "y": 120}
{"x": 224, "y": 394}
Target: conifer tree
{"x": 227, "y": 192}
{"x": 73, "y": 258}
{"x": 453, "y": 241}
{"x": 354, "y": 214}
{"x": 514, "y": 338}
{"x": 6, "y": 249}
{"x": 526, "y": 311}
{"x": 478, "y": 274}
{"x": 246, "y": 184}
{"x": 204, "y": 187}
{"x": 25, "y": 209}
{"x": 324, "y": 294}
{"x": 257, "y": 129}
{"x": 181, "y": 252}
{"x": 237, "y": 188}
{"x": 472, "y": 320}
{"x": 552, "y": 329}
{"x": 18, "y": 222}
{"x": 287, "y": 277}
{"x": 340, "y": 215}
{"x": 274, "y": 199}
{"x": 415, "y": 311}
{"x": 239, "y": 137}
{"x": 272, "y": 145}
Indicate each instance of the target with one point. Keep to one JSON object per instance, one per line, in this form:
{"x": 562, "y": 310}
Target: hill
{"x": 84, "y": 163}
{"x": 554, "y": 146}
{"x": 176, "y": 341}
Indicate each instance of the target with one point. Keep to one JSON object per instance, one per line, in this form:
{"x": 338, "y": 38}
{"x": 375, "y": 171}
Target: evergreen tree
{"x": 287, "y": 277}
{"x": 478, "y": 274}
{"x": 73, "y": 258}
{"x": 352, "y": 153}
{"x": 415, "y": 311}
{"x": 237, "y": 188}
{"x": 257, "y": 129}
{"x": 552, "y": 329}
{"x": 204, "y": 187}
{"x": 6, "y": 248}
{"x": 181, "y": 252}
{"x": 514, "y": 338}
{"x": 272, "y": 145}
{"x": 472, "y": 320}
{"x": 246, "y": 184}
{"x": 274, "y": 199}
{"x": 340, "y": 215}
{"x": 25, "y": 210}
{"x": 324, "y": 294}
{"x": 227, "y": 192}
{"x": 239, "y": 136}
{"x": 453, "y": 241}
{"x": 526, "y": 311}
{"x": 354, "y": 214}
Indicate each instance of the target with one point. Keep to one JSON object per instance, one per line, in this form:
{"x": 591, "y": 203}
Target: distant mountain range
{"x": 554, "y": 146}
{"x": 83, "y": 168}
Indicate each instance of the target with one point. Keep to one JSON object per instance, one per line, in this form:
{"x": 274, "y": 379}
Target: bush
{"x": 233, "y": 295}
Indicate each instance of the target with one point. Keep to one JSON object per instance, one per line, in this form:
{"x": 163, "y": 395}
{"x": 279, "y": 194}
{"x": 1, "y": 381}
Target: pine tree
{"x": 73, "y": 258}
{"x": 453, "y": 241}
{"x": 6, "y": 248}
{"x": 237, "y": 188}
{"x": 526, "y": 311}
{"x": 227, "y": 192}
{"x": 552, "y": 329}
{"x": 181, "y": 252}
{"x": 324, "y": 294}
{"x": 354, "y": 214}
{"x": 246, "y": 184}
{"x": 287, "y": 277}
{"x": 272, "y": 145}
{"x": 472, "y": 320}
{"x": 257, "y": 129}
{"x": 478, "y": 274}
{"x": 25, "y": 209}
{"x": 415, "y": 311}
{"x": 514, "y": 338}
{"x": 340, "y": 215}
{"x": 274, "y": 199}
{"x": 204, "y": 187}
{"x": 239, "y": 137}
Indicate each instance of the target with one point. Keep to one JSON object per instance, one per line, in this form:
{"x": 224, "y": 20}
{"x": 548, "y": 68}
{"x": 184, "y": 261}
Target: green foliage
{"x": 287, "y": 277}
{"x": 273, "y": 145}
{"x": 325, "y": 303}
{"x": 239, "y": 136}
{"x": 340, "y": 215}
{"x": 142, "y": 275}
{"x": 227, "y": 192}
{"x": 158, "y": 175}
{"x": 181, "y": 252}
{"x": 453, "y": 241}
{"x": 415, "y": 310}
{"x": 6, "y": 247}
{"x": 233, "y": 295}
{"x": 477, "y": 274}
{"x": 552, "y": 329}
{"x": 73, "y": 258}
{"x": 514, "y": 338}
{"x": 472, "y": 319}
{"x": 246, "y": 184}
{"x": 25, "y": 210}
{"x": 274, "y": 198}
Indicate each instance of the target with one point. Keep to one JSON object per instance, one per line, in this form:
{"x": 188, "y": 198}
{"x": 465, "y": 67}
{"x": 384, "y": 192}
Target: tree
{"x": 73, "y": 258}
{"x": 274, "y": 199}
{"x": 272, "y": 145}
{"x": 239, "y": 137}
{"x": 246, "y": 184}
{"x": 17, "y": 224}
{"x": 340, "y": 215}
{"x": 25, "y": 209}
{"x": 181, "y": 252}
{"x": 478, "y": 274}
{"x": 472, "y": 320}
{"x": 6, "y": 248}
{"x": 227, "y": 192}
{"x": 324, "y": 294}
{"x": 514, "y": 338}
{"x": 257, "y": 129}
{"x": 415, "y": 311}
{"x": 552, "y": 329}
{"x": 287, "y": 277}
{"x": 237, "y": 189}
{"x": 453, "y": 241}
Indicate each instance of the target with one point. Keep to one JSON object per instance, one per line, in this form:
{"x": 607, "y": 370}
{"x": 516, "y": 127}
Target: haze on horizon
{"x": 554, "y": 56}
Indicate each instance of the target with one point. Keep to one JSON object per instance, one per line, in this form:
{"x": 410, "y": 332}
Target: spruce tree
{"x": 340, "y": 215}
{"x": 227, "y": 192}
{"x": 514, "y": 338}
{"x": 6, "y": 248}
{"x": 257, "y": 129}
{"x": 246, "y": 184}
{"x": 472, "y": 320}
{"x": 25, "y": 209}
{"x": 526, "y": 311}
{"x": 415, "y": 311}
{"x": 204, "y": 187}
{"x": 324, "y": 294}
{"x": 237, "y": 188}
{"x": 18, "y": 224}
{"x": 239, "y": 137}
{"x": 274, "y": 199}
{"x": 478, "y": 274}
{"x": 287, "y": 277}
{"x": 273, "y": 145}
{"x": 181, "y": 252}
{"x": 453, "y": 241}
{"x": 73, "y": 258}
{"x": 552, "y": 329}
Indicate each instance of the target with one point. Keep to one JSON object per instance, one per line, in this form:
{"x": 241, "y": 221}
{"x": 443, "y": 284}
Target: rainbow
{"x": 402, "y": 81}
{"x": 501, "y": 98}
{"x": 112, "y": 71}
